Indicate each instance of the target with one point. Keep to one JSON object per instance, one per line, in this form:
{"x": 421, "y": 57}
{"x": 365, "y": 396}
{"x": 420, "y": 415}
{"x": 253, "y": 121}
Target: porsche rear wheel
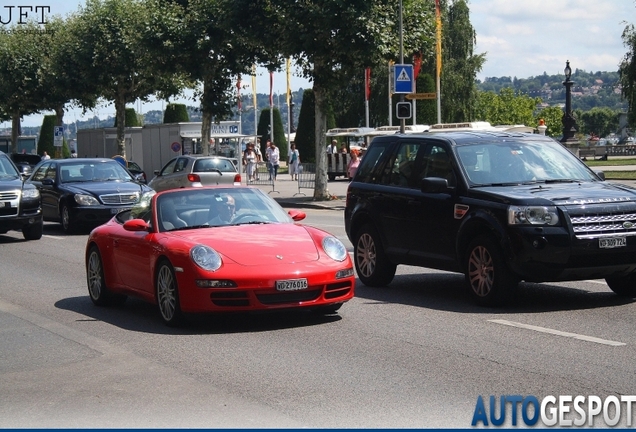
{"x": 372, "y": 265}
{"x": 168, "y": 295}
{"x": 97, "y": 290}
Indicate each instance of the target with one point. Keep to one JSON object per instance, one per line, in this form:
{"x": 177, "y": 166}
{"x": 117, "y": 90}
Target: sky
{"x": 521, "y": 38}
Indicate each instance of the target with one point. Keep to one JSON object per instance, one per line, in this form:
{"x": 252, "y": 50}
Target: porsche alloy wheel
{"x": 488, "y": 278}
{"x": 97, "y": 290}
{"x": 372, "y": 265}
{"x": 168, "y": 295}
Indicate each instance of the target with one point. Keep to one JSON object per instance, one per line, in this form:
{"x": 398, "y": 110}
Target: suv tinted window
{"x": 405, "y": 167}
{"x": 371, "y": 158}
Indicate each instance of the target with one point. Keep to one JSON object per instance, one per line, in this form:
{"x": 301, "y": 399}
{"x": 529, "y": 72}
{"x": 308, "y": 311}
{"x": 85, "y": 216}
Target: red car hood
{"x": 257, "y": 244}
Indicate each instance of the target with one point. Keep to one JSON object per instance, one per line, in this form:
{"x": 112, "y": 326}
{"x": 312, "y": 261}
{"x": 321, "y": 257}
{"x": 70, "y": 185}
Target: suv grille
{"x": 122, "y": 198}
{"x": 604, "y": 224}
{"x": 8, "y": 196}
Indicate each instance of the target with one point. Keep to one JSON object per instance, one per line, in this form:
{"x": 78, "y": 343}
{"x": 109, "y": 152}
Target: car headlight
{"x": 31, "y": 193}
{"x": 334, "y": 248}
{"x": 532, "y": 215}
{"x": 206, "y": 257}
{"x": 86, "y": 200}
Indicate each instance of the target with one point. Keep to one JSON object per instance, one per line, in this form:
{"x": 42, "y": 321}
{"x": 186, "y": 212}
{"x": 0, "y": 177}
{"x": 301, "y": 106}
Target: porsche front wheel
{"x": 168, "y": 295}
{"x": 97, "y": 290}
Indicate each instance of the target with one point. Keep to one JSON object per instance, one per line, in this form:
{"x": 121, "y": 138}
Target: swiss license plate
{"x": 291, "y": 284}
{"x": 613, "y": 242}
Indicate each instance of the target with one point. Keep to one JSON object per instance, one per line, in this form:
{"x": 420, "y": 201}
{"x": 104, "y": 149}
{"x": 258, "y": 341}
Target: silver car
{"x": 195, "y": 171}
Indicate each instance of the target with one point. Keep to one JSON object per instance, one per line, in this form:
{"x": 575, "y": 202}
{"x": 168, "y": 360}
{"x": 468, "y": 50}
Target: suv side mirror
{"x": 600, "y": 175}
{"x": 434, "y": 185}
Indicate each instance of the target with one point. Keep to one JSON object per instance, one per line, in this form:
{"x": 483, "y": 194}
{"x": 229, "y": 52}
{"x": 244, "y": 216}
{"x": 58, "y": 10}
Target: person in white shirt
{"x": 45, "y": 156}
{"x": 333, "y": 147}
{"x": 273, "y": 158}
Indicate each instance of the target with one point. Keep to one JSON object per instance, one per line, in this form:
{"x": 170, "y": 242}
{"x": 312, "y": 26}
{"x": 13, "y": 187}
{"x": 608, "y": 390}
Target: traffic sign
{"x": 403, "y": 76}
{"x": 421, "y": 96}
{"x": 58, "y": 136}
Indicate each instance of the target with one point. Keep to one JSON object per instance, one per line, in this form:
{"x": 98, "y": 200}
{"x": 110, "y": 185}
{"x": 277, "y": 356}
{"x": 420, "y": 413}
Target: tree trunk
{"x": 321, "y": 191}
{"x": 59, "y": 121}
{"x": 15, "y": 131}
{"x": 206, "y": 121}
{"x": 120, "y": 114}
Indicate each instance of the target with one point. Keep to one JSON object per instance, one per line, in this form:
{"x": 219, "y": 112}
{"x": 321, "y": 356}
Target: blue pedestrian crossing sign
{"x": 403, "y": 75}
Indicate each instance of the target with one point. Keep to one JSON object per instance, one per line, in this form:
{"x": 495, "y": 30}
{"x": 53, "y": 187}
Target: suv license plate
{"x": 291, "y": 285}
{"x": 610, "y": 243}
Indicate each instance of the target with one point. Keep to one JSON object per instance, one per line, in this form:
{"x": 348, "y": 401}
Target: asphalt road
{"x": 415, "y": 354}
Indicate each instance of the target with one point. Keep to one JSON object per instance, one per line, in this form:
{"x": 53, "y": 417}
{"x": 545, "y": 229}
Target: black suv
{"x": 20, "y": 203}
{"x": 499, "y": 207}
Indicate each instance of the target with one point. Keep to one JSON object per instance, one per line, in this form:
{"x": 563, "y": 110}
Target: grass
{"x": 620, "y": 175}
{"x": 610, "y": 162}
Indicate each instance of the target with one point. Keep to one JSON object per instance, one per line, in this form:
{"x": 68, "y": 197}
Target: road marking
{"x": 596, "y": 282}
{"x": 53, "y": 237}
{"x": 558, "y": 333}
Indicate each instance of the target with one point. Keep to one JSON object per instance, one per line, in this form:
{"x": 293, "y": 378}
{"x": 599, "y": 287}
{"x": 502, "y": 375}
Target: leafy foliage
{"x": 176, "y": 113}
{"x": 279, "y": 132}
{"x": 628, "y": 73}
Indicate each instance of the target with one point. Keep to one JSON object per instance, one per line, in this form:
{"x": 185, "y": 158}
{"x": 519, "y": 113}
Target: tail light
{"x": 237, "y": 178}
{"x": 194, "y": 178}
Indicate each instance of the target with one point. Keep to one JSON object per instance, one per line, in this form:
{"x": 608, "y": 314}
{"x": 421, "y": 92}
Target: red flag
{"x": 367, "y": 83}
{"x": 238, "y": 91}
{"x": 417, "y": 64}
{"x": 271, "y": 89}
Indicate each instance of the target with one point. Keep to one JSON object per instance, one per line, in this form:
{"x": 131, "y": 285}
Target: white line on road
{"x": 558, "y": 332}
{"x": 53, "y": 237}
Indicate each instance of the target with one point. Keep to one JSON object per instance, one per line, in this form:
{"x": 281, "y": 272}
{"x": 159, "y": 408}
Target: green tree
{"x": 305, "y": 140}
{"x": 118, "y": 52}
{"x": 132, "y": 119}
{"x": 176, "y": 113}
{"x": 552, "y": 117}
{"x": 279, "y": 133}
{"x": 22, "y": 49}
{"x": 47, "y": 132}
{"x": 506, "y": 108}
{"x": 598, "y": 121}
{"x": 627, "y": 70}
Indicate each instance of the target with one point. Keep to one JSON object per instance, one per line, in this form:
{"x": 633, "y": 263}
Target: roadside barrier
{"x": 263, "y": 177}
{"x": 306, "y": 177}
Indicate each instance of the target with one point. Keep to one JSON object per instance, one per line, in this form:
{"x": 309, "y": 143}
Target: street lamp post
{"x": 569, "y": 123}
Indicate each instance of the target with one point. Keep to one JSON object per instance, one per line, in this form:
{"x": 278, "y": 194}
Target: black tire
{"x": 65, "y": 219}
{"x": 489, "y": 280}
{"x": 33, "y": 232}
{"x": 97, "y": 290}
{"x": 372, "y": 265}
{"x": 331, "y": 177}
{"x": 624, "y": 286}
{"x": 167, "y": 293}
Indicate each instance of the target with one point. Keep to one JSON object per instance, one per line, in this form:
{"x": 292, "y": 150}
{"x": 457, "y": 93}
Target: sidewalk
{"x": 287, "y": 193}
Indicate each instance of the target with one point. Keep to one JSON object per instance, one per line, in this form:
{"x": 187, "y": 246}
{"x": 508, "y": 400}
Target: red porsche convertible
{"x": 215, "y": 249}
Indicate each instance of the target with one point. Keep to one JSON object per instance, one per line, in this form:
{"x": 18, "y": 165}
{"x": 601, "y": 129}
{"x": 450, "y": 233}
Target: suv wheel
{"x": 372, "y": 265}
{"x": 33, "y": 232}
{"x": 623, "y": 286}
{"x": 488, "y": 278}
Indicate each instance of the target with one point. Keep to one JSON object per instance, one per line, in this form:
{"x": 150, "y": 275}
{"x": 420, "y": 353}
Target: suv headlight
{"x": 30, "y": 193}
{"x": 532, "y": 215}
{"x": 86, "y": 200}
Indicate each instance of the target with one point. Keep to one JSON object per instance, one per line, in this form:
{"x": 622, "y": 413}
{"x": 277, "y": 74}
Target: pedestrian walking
{"x": 273, "y": 159}
{"x": 294, "y": 162}
{"x": 249, "y": 160}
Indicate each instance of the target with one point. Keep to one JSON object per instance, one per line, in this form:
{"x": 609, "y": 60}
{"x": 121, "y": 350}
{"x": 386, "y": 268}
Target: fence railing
{"x": 262, "y": 176}
{"x": 306, "y": 177}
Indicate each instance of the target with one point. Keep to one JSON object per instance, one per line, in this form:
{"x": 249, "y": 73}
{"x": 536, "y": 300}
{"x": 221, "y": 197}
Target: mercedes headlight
{"x": 86, "y": 200}
{"x": 334, "y": 248}
{"x": 206, "y": 257}
{"x": 532, "y": 215}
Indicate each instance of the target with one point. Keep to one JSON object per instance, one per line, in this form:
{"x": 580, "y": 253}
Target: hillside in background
{"x": 590, "y": 89}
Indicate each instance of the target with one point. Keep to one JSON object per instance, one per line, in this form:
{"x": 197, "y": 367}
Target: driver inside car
{"x": 222, "y": 210}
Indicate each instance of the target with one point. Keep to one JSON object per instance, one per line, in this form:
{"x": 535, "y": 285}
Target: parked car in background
{"x": 138, "y": 173}
{"x": 20, "y": 208}
{"x": 500, "y": 207}
{"x": 195, "y": 171}
{"x": 25, "y": 162}
{"x": 80, "y": 192}
{"x": 217, "y": 249}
